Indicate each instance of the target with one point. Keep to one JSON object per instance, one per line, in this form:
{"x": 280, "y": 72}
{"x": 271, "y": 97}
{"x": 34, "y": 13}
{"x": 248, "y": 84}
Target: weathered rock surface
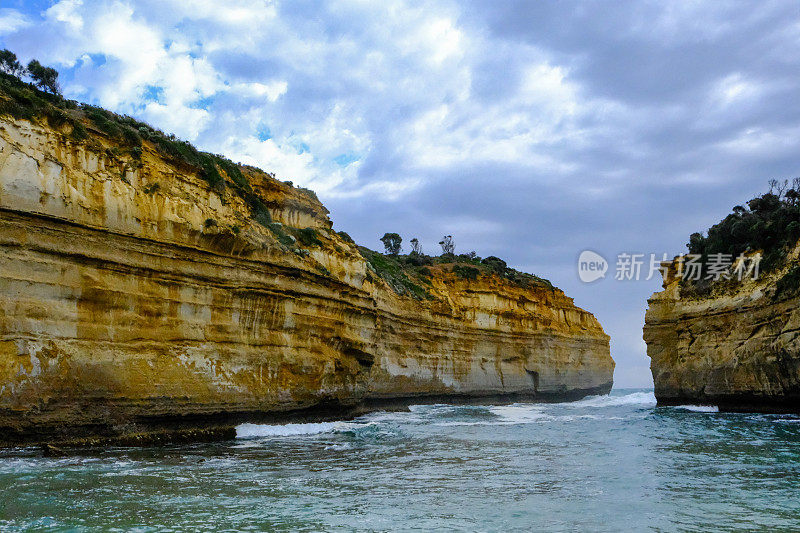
{"x": 739, "y": 348}
{"x": 134, "y": 300}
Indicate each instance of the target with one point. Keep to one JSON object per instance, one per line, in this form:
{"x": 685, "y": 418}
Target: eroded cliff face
{"x": 134, "y": 298}
{"x": 737, "y": 348}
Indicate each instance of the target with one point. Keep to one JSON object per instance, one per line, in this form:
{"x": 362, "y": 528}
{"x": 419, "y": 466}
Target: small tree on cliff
{"x": 416, "y": 249}
{"x": 9, "y": 63}
{"x": 448, "y": 245}
{"x": 391, "y": 242}
{"x": 45, "y": 78}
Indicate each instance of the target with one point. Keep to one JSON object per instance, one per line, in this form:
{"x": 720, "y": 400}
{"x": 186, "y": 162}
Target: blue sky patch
{"x": 345, "y": 159}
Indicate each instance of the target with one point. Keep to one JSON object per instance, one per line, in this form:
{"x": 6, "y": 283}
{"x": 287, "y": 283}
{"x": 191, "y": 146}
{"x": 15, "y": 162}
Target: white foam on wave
{"x": 248, "y": 431}
{"x": 634, "y": 398}
{"x": 699, "y": 408}
{"x": 529, "y": 413}
{"x": 520, "y": 413}
{"x": 523, "y": 414}
{"x": 465, "y": 424}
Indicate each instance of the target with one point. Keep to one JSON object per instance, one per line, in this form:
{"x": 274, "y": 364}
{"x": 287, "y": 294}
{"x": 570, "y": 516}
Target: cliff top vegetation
{"x": 411, "y": 273}
{"x": 769, "y": 224}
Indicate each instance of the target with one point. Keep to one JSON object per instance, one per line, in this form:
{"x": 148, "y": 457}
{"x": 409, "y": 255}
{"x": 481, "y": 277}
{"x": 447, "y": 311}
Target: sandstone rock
{"x": 739, "y": 349}
{"x": 123, "y": 314}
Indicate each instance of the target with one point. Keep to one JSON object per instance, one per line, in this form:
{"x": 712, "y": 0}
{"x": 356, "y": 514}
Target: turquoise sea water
{"x": 614, "y": 463}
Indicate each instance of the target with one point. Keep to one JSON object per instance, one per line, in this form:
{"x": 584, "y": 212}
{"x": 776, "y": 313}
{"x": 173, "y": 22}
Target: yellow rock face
{"x": 739, "y": 349}
{"x": 134, "y": 298}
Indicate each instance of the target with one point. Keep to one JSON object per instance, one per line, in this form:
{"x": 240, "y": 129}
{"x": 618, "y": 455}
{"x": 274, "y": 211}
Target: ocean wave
{"x": 509, "y": 417}
{"x": 699, "y": 408}
{"x": 449, "y": 415}
{"x": 634, "y": 398}
{"x": 520, "y": 413}
{"x": 358, "y": 430}
{"x": 787, "y": 421}
{"x": 248, "y": 431}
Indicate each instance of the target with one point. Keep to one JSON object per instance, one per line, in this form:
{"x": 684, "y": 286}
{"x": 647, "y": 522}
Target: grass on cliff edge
{"x": 408, "y": 274}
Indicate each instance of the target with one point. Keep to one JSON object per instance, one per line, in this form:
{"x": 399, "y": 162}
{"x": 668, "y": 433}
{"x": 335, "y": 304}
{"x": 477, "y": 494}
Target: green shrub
{"x": 770, "y": 222}
{"x": 466, "y": 272}
{"x": 522, "y": 279}
{"x": 346, "y": 237}
{"x": 278, "y": 230}
{"x": 496, "y": 264}
{"x": 16, "y": 109}
{"x": 469, "y": 258}
{"x": 233, "y": 171}
{"x": 78, "y": 132}
{"x": 131, "y": 136}
{"x": 263, "y": 217}
{"x": 391, "y": 270}
{"x": 789, "y": 284}
{"x": 103, "y": 120}
{"x": 210, "y": 173}
{"x": 57, "y": 118}
{"x": 178, "y": 151}
{"x": 22, "y": 100}
{"x": 286, "y": 239}
{"x": 308, "y": 237}
{"x": 258, "y": 210}
{"x": 414, "y": 259}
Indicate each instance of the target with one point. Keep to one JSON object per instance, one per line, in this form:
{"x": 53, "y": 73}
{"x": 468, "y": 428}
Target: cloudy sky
{"x": 527, "y": 130}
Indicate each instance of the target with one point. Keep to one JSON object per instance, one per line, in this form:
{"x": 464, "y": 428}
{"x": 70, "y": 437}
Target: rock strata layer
{"x": 138, "y": 303}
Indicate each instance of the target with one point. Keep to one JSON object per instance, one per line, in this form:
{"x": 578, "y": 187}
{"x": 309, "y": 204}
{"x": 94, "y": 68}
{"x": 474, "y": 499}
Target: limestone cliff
{"x": 136, "y": 297}
{"x": 737, "y": 347}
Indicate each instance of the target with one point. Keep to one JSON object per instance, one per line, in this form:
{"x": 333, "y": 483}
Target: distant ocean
{"x": 615, "y": 463}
